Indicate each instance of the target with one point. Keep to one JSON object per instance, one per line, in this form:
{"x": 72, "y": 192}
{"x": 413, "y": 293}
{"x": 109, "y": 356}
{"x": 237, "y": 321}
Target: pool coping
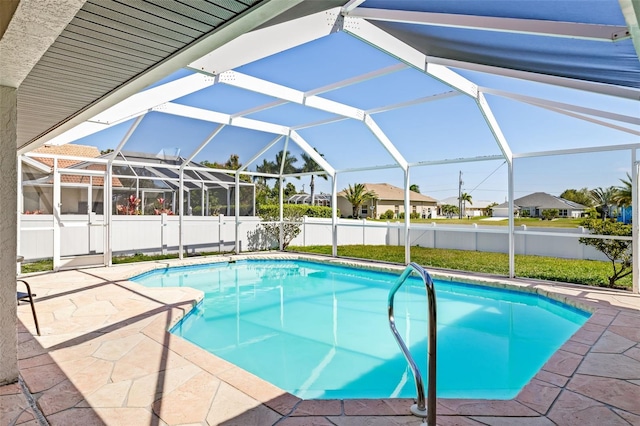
{"x": 562, "y": 384}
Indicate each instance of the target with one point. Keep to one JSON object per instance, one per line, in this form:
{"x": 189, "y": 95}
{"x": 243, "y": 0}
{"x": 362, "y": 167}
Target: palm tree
{"x": 266, "y": 167}
{"x": 464, "y": 198}
{"x": 311, "y": 166}
{"x": 624, "y": 195}
{"x": 358, "y": 195}
{"x": 288, "y": 160}
{"x": 604, "y": 198}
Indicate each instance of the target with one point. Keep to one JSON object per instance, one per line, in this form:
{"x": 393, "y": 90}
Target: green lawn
{"x": 556, "y": 223}
{"x": 589, "y": 272}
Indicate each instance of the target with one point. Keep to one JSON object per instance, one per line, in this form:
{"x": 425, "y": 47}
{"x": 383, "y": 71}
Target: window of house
{"x": 364, "y": 210}
{"x": 414, "y": 209}
{"x": 397, "y": 209}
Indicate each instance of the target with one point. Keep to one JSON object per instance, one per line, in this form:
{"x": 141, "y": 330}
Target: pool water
{"x": 322, "y": 331}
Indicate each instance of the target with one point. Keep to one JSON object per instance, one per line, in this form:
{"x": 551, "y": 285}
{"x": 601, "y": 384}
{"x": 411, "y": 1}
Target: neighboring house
{"x": 389, "y": 197}
{"x": 534, "y": 204}
{"x": 478, "y": 208}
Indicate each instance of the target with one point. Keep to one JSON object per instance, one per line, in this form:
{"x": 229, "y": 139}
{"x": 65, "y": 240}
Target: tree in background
{"x": 311, "y": 166}
{"x": 604, "y": 198}
{"x": 464, "y": 198}
{"x": 624, "y": 194}
{"x": 580, "y": 196}
{"x": 617, "y": 251}
{"x": 488, "y": 211}
{"x": 414, "y": 188}
{"x": 449, "y": 210}
{"x": 358, "y": 195}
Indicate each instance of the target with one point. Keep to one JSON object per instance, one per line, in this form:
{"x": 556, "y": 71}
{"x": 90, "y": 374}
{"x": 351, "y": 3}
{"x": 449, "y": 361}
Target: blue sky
{"x": 449, "y": 128}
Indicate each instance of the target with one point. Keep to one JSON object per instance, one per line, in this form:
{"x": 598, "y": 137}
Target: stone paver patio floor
{"x": 105, "y": 357}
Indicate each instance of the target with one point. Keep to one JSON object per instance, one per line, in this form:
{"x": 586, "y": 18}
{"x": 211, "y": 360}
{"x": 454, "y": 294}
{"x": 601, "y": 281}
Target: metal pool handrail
{"x": 419, "y": 408}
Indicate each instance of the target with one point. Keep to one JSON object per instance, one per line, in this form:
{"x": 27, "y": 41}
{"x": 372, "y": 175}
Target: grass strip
{"x": 587, "y": 272}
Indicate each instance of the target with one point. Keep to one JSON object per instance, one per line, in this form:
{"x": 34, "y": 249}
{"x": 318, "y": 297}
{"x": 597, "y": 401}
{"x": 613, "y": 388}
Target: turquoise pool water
{"x": 322, "y": 331}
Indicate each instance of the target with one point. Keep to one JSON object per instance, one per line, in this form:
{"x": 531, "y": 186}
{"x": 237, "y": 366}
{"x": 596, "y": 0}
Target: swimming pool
{"x": 322, "y": 331}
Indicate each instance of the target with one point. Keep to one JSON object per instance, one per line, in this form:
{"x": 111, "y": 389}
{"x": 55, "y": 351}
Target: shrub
{"x": 549, "y": 214}
{"x": 525, "y": 213}
{"x": 617, "y": 251}
{"x": 401, "y": 215}
{"x": 298, "y": 210}
{"x": 387, "y": 215}
{"x": 414, "y": 216}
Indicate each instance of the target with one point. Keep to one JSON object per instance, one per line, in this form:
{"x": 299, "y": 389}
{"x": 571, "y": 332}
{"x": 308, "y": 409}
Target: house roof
{"x": 387, "y": 192}
{"x": 75, "y": 151}
{"x": 475, "y": 204}
{"x": 542, "y": 200}
{"x": 68, "y": 149}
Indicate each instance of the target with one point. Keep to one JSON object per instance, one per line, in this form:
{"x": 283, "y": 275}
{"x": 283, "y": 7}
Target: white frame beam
{"x": 270, "y": 40}
{"x": 587, "y": 86}
{"x": 574, "y": 30}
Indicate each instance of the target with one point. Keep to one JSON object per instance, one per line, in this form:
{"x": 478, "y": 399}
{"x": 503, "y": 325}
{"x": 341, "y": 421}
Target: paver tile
{"x": 110, "y": 395}
{"x": 515, "y": 421}
{"x": 61, "y": 397}
{"x": 612, "y": 343}
{"x": 319, "y": 407}
{"x": 572, "y": 409}
{"x": 229, "y": 404}
{"x": 378, "y": 407}
{"x": 610, "y": 365}
{"x": 145, "y": 390}
{"x": 562, "y": 362}
{"x": 76, "y": 417}
{"x": 538, "y": 395}
{"x": 613, "y": 392}
{"x": 633, "y": 353}
{"x": 630, "y": 332}
{"x": 553, "y": 378}
{"x": 189, "y": 402}
{"x": 576, "y": 347}
{"x": 305, "y": 421}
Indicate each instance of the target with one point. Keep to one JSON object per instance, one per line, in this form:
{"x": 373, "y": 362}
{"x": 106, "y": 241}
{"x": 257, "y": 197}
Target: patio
{"x": 105, "y": 357}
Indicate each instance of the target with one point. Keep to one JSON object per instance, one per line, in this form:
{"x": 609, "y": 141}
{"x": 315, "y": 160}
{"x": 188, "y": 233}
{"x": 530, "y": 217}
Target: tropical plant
{"x": 292, "y": 218}
{"x": 449, "y": 210}
{"x": 488, "y": 211}
{"x": 604, "y": 198}
{"x": 358, "y": 195}
{"x": 389, "y": 214}
{"x": 580, "y": 196}
{"x": 548, "y": 214}
{"x": 160, "y": 208}
{"x": 311, "y": 166}
{"x": 464, "y": 199}
{"x": 132, "y": 207}
{"x": 624, "y": 193}
{"x": 619, "y": 252}
{"x": 414, "y": 188}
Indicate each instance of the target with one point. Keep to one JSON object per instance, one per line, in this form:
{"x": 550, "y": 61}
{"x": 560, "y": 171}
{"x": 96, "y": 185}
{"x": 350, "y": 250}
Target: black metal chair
{"x": 28, "y": 296}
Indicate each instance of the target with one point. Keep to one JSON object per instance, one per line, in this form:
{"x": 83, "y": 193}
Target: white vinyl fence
{"x": 160, "y": 234}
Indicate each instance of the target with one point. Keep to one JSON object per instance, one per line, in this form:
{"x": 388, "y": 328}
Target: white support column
{"x": 56, "y": 216}
{"x": 334, "y": 215}
{"x": 181, "y": 217}
{"x": 635, "y": 220}
{"x": 512, "y": 256}
{"x": 237, "y": 213}
{"x": 8, "y": 235}
{"x": 20, "y": 208}
{"x": 407, "y": 219}
{"x": 280, "y": 197}
{"x": 108, "y": 216}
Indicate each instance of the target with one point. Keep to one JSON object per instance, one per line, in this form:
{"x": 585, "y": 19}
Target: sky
{"x": 446, "y": 129}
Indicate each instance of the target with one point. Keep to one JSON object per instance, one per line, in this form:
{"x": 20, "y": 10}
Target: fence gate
{"x": 78, "y": 218}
